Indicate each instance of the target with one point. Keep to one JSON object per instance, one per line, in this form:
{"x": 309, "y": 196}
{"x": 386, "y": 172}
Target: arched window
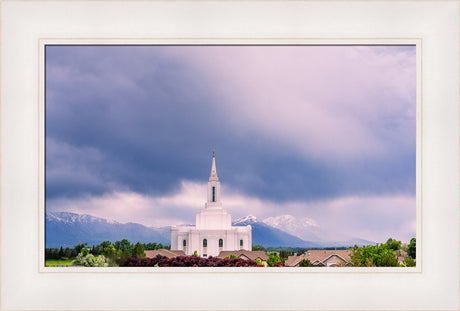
{"x": 184, "y": 243}
{"x": 205, "y": 243}
{"x": 241, "y": 242}
{"x": 221, "y": 243}
{"x": 214, "y": 194}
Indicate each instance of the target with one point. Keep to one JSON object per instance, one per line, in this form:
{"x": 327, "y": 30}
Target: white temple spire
{"x": 213, "y": 186}
{"x": 213, "y": 176}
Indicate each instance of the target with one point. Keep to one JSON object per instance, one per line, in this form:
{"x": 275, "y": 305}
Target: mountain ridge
{"x": 307, "y": 228}
{"x": 68, "y": 229}
{"x": 267, "y": 236}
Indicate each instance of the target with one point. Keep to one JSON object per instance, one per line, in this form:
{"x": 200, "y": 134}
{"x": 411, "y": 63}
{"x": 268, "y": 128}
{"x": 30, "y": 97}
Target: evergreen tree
{"x": 305, "y": 263}
{"x": 138, "y": 250}
{"x": 258, "y": 247}
{"x": 411, "y": 250}
{"x": 393, "y": 244}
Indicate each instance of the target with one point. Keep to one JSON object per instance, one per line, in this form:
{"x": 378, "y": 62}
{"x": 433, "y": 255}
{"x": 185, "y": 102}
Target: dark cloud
{"x": 142, "y": 119}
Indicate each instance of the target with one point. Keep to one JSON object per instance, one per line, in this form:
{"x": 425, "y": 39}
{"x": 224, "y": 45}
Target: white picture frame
{"x": 27, "y": 26}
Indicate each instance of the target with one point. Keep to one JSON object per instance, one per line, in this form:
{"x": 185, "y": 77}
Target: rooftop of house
{"x": 319, "y": 256}
{"x": 253, "y": 255}
{"x": 163, "y": 252}
{"x": 401, "y": 255}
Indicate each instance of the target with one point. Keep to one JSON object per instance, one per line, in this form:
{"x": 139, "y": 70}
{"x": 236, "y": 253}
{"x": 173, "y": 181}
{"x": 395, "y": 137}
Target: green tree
{"x": 153, "y": 246}
{"x": 90, "y": 260}
{"x": 109, "y": 251}
{"x": 105, "y": 244}
{"x": 55, "y": 253}
{"x": 388, "y": 259}
{"x": 284, "y": 254}
{"x": 150, "y": 246}
{"x": 411, "y": 250}
{"x": 68, "y": 253}
{"x": 272, "y": 259}
{"x": 374, "y": 255}
{"x": 51, "y": 253}
{"x": 79, "y": 247}
{"x": 138, "y": 250}
{"x": 122, "y": 255}
{"x": 258, "y": 247}
{"x": 409, "y": 262}
{"x": 124, "y": 245}
{"x": 97, "y": 250}
{"x": 305, "y": 263}
{"x": 369, "y": 262}
{"x": 393, "y": 244}
{"x": 259, "y": 261}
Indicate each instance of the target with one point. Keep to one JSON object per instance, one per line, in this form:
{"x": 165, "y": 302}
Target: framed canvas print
{"x": 146, "y": 216}
{"x": 230, "y": 155}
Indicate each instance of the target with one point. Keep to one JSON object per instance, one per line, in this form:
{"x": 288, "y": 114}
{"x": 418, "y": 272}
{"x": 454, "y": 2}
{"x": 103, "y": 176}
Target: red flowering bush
{"x": 188, "y": 261}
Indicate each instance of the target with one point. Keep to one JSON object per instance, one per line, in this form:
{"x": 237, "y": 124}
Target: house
{"x": 401, "y": 256}
{"x": 213, "y": 231}
{"x": 246, "y": 255}
{"x": 323, "y": 258}
{"x": 163, "y": 252}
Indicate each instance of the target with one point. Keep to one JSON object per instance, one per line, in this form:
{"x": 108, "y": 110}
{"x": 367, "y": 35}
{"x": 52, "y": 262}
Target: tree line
{"x": 379, "y": 255}
{"x": 116, "y": 254}
{"x": 384, "y": 255}
{"x": 117, "y": 251}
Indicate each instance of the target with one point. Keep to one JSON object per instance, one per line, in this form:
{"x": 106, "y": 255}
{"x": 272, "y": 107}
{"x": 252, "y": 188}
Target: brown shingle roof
{"x": 178, "y": 253}
{"x": 163, "y": 252}
{"x": 318, "y": 256}
{"x": 253, "y": 255}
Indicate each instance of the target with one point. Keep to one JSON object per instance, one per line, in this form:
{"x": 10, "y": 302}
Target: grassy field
{"x": 58, "y": 262}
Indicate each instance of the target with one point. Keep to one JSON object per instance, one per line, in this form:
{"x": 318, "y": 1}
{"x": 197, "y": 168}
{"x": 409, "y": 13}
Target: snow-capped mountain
{"x": 68, "y": 229}
{"x": 66, "y": 217}
{"x": 296, "y": 223}
{"x": 266, "y": 235}
{"x": 308, "y": 229}
{"x": 244, "y": 221}
{"x": 304, "y": 228}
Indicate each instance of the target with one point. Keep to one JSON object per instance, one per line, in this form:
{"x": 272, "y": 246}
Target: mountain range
{"x": 266, "y": 235}
{"x": 306, "y": 228}
{"x": 68, "y": 229}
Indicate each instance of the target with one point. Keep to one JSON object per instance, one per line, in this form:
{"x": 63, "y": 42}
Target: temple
{"x": 213, "y": 231}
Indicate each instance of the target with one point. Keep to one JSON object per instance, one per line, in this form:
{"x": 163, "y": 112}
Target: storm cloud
{"x": 289, "y": 124}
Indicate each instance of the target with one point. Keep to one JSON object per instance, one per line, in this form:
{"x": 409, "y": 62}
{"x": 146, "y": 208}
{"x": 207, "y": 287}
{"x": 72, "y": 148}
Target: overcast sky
{"x": 324, "y": 132}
